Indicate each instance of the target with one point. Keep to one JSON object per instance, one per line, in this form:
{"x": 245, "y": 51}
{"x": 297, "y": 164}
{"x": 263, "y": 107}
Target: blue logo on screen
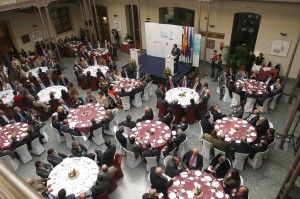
{"x": 168, "y": 35}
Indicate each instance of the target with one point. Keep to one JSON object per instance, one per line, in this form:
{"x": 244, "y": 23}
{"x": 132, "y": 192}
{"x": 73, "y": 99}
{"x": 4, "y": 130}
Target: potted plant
{"x": 166, "y": 72}
{"x": 128, "y": 37}
{"x": 132, "y": 65}
{"x": 235, "y": 57}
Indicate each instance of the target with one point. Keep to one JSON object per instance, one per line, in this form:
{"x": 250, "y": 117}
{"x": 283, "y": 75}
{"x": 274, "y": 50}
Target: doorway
{"x": 130, "y": 26}
{"x": 244, "y": 30}
{"x": 103, "y": 25}
{"x": 5, "y": 40}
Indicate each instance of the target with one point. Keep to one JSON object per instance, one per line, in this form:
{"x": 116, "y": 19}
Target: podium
{"x": 134, "y": 55}
{"x": 169, "y": 62}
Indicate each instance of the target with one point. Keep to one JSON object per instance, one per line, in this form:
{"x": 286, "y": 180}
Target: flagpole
{"x": 206, "y": 34}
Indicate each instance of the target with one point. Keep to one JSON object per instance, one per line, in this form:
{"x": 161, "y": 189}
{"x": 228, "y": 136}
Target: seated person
{"x": 216, "y": 112}
{"x": 128, "y": 123}
{"x": 171, "y": 83}
{"x": 39, "y": 185}
{"x": 125, "y": 73}
{"x": 269, "y": 136}
{"x": 239, "y": 193}
{"x": 179, "y": 138}
{"x": 196, "y": 85}
{"x": 270, "y": 80}
{"x": 184, "y": 82}
{"x": 77, "y": 101}
{"x": 38, "y": 103}
{"x": 110, "y": 103}
{"x": 262, "y": 146}
{"x": 231, "y": 180}
{"x": 108, "y": 156}
{"x": 175, "y": 166}
{"x": 242, "y": 147}
{"x": 4, "y": 152}
{"x": 276, "y": 88}
{"x": 20, "y": 116}
{"x": 106, "y": 171}
{"x": 112, "y": 92}
{"x": 152, "y": 195}
{"x": 32, "y": 136}
{"x": 159, "y": 92}
{"x": 175, "y": 105}
{"x": 66, "y": 129}
{"x": 133, "y": 147}
{"x": 102, "y": 185}
{"x": 204, "y": 97}
{"x": 55, "y": 124}
{"x": 255, "y": 75}
{"x": 90, "y": 97}
{"x": 43, "y": 169}
{"x": 168, "y": 118}
{"x": 62, "y": 194}
{"x": 101, "y": 98}
{"x": 193, "y": 159}
{"x": 148, "y": 115}
{"x": 230, "y": 86}
{"x": 107, "y": 119}
{"x": 211, "y": 138}
{"x": 54, "y": 157}
{"x": 150, "y": 152}
{"x": 5, "y": 118}
{"x": 62, "y": 113}
{"x": 238, "y": 110}
{"x": 253, "y": 117}
{"x": 207, "y": 126}
{"x": 222, "y": 145}
{"x": 123, "y": 93}
{"x": 120, "y": 137}
{"x": 16, "y": 143}
{"x": 94, "y": 126}
{"x": 168, "y": 148}
{"x": 192, "y": 105}
{"x": 262, "y": 126}
{"x": 159, "y": 181}
{"x": 183, "y": 125}
{"x": 78, "y": 150}
{"x": 219, "y": 166}
{"x": 268, "y": 94}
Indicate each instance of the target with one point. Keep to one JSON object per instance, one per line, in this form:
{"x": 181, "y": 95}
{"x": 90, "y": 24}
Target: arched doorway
{"x": 245, "y": 29}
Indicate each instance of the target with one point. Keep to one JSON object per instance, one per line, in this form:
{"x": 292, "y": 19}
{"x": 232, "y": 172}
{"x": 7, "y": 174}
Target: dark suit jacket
{"x": 53, "y": 101}
{"x": 63, "y": 83}
{"x": 56, "y": 160}
{"x": 238, "y": 113}
{"x": 167, "y": 119}
{"x": 2, "y": 121}
{"x": 33, "y": 91}
{"x": 147, "y": 116}
{"x": 109, "y": 155}
{"x": 95, "y": 127}
{"x": 252, "y": 120}
{"x": 206, "y": 126}
{"x": 187, "y": 83}
{"x": 17, "y": 144}
{"x": 18, "y": 118}
{"x": 264, "y": 97}
{"x": 255, "y": 149}
{"x": 168, "y": 86}
{"x": 216, "y": 114}
{"x": 31, "y": 137}
{"x": 42, "y": 172}
{"x": 159, "y": 183}
{"x": 122, "y": 140}
{"x": 179, "y": 139}
{"x": 78, "y": 153}
{"x": 239, "y": 148}
{"x": 100, "y": 188}
{"x": 124, "y": 75}
{"x": 198, "y": 87}
{"x": 71, "y": 196}
{"x": 262, "y": 129}
{"x": 222, "y": 169}
{"x": 222, "y": 146}
{"x": 105, "y": 122}
{"x": 187, "y": 158}
{"x": 67, "y": 129}
{"x": 159, "y": 94}
{"x": 130, "y": 124}
{"x": 182, "y": 126}
{"x": 272, "y": 81}
{"x": 151, "y": 153}
{"x": 76, "y": 104}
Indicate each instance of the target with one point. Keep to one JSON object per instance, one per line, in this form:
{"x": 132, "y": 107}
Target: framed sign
{"x": 280, "y": 47}
{"x": 25, "y": 38}
{"x": 37, "y": 36}
{"x": 117, "y": 25}
{"x": 210, "y": 44}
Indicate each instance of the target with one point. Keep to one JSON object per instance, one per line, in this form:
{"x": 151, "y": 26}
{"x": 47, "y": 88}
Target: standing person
{"x": 176, "y": 53}
{"x": 218, "y": 64}
{"x": 250, "y": 58}
{"x": 213, "y": 63}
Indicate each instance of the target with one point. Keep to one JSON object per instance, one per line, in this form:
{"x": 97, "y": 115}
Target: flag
{"x": 190, "y": 45}
{"x": 184, "y": 42}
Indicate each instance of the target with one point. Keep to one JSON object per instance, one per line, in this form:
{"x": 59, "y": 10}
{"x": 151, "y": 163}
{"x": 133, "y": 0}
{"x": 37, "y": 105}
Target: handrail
{"x": 12, "y": 186}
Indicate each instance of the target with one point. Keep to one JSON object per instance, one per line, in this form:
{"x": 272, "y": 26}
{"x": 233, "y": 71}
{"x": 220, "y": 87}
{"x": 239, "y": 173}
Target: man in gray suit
{"x": 222, "y": 145}
{"x": 133, "y": 147}
{"x": 238, "y": 110}
{"x": 109, "y": 117}
{"x": 222, "y": 83}
{"x": 128, "y": 123}
{"x": 106, "y": 171}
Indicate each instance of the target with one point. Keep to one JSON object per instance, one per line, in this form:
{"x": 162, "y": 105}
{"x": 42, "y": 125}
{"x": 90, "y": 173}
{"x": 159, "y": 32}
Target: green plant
{"x": 235, "y": 57}
{"x": 128, "y": 36}
{"x": 167, "y": 72}
{"x": 132, "y": 65}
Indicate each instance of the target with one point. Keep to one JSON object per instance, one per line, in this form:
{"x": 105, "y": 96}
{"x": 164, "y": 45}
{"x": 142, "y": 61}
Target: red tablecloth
{"x": 19, "y": 129}
{"x": 125, "y": 47}
{"x": 101, "y": 53}
{"x": 72, "y": 46}
{"x": 127, "y": 83}
{"x": 228, "y": 126}
{"x": 211, "y": 187}
{"x": 251, "y": 84}
{"x": 158, "y": 139}
{"x": 263, "y": 75}
{"x": 81, "y": 121}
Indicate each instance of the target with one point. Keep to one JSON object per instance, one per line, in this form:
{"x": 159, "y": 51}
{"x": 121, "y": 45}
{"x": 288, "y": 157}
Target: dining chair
{"x": 125, "y": 103}
{"x": 151, "y": 162}
{"x": 132, "y": 162}
{"x": 145, "y": 96}
{"x": 206, "y": 149}
{"x": 98, "y": 136}
{"x": 250, "y": 102}
{"x": 137, "y": 102}
{"x": 167, "y": 159}
{"x": 10, "y": 161}
{"x": 226, "y": 98}
{"x": 150, "y": 88}
{"x": 58, "y": 136}
{"x": 82, "y": 140}
{"x": 37, "y": 147}
{"x": 273, "y": 103}
{"x": 23, "y": 153}
{"x": 264, "y": 107}
{"x": 201, "y": 132}
{"x": 182, "y": 148}
{"x": 216, "y": 152}
{"x": 256, "y": 162}
{"x": 112, "y": 128}
{"x": 69, "y": 139}
{"x": 239, "y": 161}
{"x": 235, "y": 99}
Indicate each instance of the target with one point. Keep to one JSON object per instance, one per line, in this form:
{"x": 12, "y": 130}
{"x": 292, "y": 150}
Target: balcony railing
{"x": 12, "y": 2}
{"x": 6, "y": 5}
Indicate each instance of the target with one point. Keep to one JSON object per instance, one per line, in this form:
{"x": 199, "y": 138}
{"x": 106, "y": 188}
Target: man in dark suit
{"x": 268, "y": 94}
{"x": 242, "y": 147}
{"x": 180, "y": 137}
{"x": 219, "y": 166}
{"x": 268, "y": 137}
{"x": 222, "y": 145}
{"x": 53, "y": 100}
{"x": 230, "y": 86}
{"x": 32, "y": 89}
{"x": 193, "y": 160}
{"x": 66, "y": 129}
{"x": 160, "y": 94}
{"x": 20, "y": 116}
{"x": 108, "y": 118}
{"x": 32, "y": 135}
{"x": 99, "y": 73}
{"x": 148, "y": 115}
{"x": 206, "y": 125}
{"x": 192, "y": 105}
{"x": 223, "y": 79}
{"x": 170, "y": 83}
{"x": 238, "y": 111}
{"x": 270, "y": 80}
{"x": 121, "y": 138}
{"x": 43, "y": 169}
{"x": 77, "y": 101}
{"x": 250, "y": 95}
{"x": 62, "y": 80}
{"x": 63, "y": 194}
{"x": 253, "y": 117}
{"x": 15, "y": 143}
{"x": 196, "y": 85}
{"x": 256, "y": 148}
{"x": 184, "y": 82}
{"x": 138, "y": 74}
{"x": 125, "y": 73}
{"x": 175, "y": 166}
{"x": 216, "y": 112}
{"x": 176, "y": 53}
{"x": 151, "y": 195}
{"x": 54, "y": 157}
{"x": 128, "y": 123}
{"x": 240, "y": 193}
{"x": 168, "y": 118}
{"x": 102, "y": 185}
{"x": 159, "y": 180}
{"x": 123, "y": 93}
{"x": 175, "y": 105}
{"x": 150, "y": 152}
{"x": 5, "y": 118}
{"x": 183, "y": 125}
{"x": 133, "y": 147}
{"x": 55, "y": 124}
{"x": 94, "y": 126}
{"x": 108, "y": 156}
{"x": 262, "y": 126}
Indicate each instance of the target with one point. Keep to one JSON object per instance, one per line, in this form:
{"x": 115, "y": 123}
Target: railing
{"x": 13, "y": 2}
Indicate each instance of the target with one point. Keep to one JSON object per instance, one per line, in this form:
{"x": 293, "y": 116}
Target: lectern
{"x": 170, "y": 63}
{"x": 134, "y": 55}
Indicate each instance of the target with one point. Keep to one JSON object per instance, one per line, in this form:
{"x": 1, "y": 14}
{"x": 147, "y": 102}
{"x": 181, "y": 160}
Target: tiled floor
{"x": 263, "y": 183}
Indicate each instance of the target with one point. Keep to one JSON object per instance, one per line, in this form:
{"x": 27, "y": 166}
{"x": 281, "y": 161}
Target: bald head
{"x": 243, "y": 139}
{"x": 152, "y": 193}
{"x": 222, "y": 137}
{"x": 195, "y": 151}
{"x": 158, "y": 171}
{"x": 82, "y": 196}
{"x": 104, "y": 167}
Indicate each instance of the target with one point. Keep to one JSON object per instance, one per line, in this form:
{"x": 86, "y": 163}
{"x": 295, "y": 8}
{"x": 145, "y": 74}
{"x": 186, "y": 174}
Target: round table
{"x": 7, "y": 97}
{"x": 87, "y": 175}
{"x": 101, "y": 52}
{"x": 80, "y": 117}
{"x": 35, "y": 71}
{"x": 235, "y": 128}
{"x": 19, "y": 129}
{"x": 44, "y": 94}
{"x": 183, "y": 95}
{"x": 74, "y": 45}
{"x": 250, "y": 85}
{"x": 183, "y": 187}
{"x": 127, "y": 83}
{"x": 158, "y": 139}
{"x": 94, "y": 69}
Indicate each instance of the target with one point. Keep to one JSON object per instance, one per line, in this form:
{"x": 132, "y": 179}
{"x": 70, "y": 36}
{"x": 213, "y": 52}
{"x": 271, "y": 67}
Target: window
{"x": 61, "y": 20}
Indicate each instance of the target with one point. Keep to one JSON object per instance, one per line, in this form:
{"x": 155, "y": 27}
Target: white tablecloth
{"x": 184, "y": 101}
{"x": 44, "y": 94}
{"x": 35, "y": 71}
{"x": 93, "y": 70}
{"x": 87, "y": 168}
{"x": 7, "y": 97}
